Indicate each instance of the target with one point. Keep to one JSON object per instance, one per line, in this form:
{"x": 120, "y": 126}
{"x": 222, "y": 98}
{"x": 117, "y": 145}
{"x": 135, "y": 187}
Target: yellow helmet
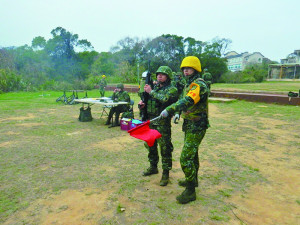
{"x": 103, "y": 76}
{"x": 191, "y": 61}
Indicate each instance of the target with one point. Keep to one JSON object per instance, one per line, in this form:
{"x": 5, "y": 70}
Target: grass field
{"x": 282, "y": 87}
{"x": 57, "y": 170}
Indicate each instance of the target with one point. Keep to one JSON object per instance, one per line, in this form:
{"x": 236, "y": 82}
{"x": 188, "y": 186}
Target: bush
{"x": 10, "y": 81}
{"x": 251, "y": 74}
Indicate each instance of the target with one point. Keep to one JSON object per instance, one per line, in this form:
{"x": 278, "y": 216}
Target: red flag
{"x": 143, "y": 132}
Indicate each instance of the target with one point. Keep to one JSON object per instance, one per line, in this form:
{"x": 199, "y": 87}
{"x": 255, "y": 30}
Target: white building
{"x": 289, "y": 68}
{"x": 238, "y": 62}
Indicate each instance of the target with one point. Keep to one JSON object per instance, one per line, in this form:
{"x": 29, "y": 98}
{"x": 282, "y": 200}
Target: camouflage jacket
{"x": 207, "y": 77}
{"x": 179, "y": 84}
{"x": 102, "y": 83}
{"x": 122, "y": 96}
{"x": 159, "y": 99}
{"x": 193, "y": 105}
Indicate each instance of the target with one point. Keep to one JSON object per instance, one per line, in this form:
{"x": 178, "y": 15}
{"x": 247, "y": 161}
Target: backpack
{"x": 292, "y": 94}
{"x": 128, "y": 114}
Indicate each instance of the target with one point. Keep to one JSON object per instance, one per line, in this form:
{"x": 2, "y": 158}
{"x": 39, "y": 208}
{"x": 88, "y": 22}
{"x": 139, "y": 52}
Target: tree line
{"x": 67, "y": 62}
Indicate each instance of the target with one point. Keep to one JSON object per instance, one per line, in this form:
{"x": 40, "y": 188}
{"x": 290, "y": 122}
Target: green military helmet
{"x": 120, "y": 86}
{"x": 165, "y": 70}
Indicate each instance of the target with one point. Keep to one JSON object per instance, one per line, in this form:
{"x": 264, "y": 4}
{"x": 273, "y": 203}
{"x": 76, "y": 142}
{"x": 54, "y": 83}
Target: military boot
{"x": 187, "y": 195}
{"x": 151, "y": 170}
{"x": 183, "y": 182}
{"x": 165, "y": 178}
{"x": 108, "y": 120}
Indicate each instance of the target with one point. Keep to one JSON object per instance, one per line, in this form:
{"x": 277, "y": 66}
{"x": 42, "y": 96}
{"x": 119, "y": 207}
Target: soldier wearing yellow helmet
{"x": 193, "y": 107}
{"x": 102, "y": 86}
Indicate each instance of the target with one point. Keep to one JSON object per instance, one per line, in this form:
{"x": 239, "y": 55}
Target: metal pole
{"x": 156, "y": 118}
{"x": 138, "y": 74}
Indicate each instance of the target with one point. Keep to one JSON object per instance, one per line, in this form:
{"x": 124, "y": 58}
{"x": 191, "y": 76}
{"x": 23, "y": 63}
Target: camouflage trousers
{"x": 102, "y": 92}
{"x": 166, "y": 147}
{"x": 189, "y": 159}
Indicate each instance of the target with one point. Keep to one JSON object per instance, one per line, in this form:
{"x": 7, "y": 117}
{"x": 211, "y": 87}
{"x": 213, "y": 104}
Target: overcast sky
{"x": 269, "y": 27}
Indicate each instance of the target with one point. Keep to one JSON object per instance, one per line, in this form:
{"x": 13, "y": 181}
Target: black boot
{"x": 187, "y": 195}
{"x": 165, "y": 178}
{"x": 108, "y": 120}
{"x": 151, "y": 170}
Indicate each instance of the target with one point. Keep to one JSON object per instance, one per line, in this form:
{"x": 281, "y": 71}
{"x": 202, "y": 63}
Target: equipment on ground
{"x": 71, "y": 99}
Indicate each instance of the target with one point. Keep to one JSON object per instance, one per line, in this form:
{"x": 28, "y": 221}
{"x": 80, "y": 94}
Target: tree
{"x": 103, "y": 64}
{"x": 38, "y": 43}
{"x": 63, "y": 43}
{"x": 193, "y": 47}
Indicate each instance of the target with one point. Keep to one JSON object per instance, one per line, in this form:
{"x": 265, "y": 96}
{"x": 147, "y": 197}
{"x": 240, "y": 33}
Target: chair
{"x": 104, "y": 108}
{"x": 131, "y": 105}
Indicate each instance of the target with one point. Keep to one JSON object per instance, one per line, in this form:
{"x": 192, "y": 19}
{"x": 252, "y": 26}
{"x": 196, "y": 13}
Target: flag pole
{"x": 156, "y": 118}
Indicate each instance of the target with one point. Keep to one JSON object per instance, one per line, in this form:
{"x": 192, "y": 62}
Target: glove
{"x": 164, "y": 114}
{"x": 176, "y": 118}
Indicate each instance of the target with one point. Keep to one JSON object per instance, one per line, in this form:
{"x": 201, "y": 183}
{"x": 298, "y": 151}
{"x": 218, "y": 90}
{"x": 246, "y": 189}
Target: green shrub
{"x": 10, "y": 81}
{"x": 252, "y": 73}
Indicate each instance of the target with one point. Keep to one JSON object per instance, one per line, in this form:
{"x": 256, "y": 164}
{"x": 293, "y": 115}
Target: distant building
{"x": 289, "y": 68}
{"x": 238, "y": 62}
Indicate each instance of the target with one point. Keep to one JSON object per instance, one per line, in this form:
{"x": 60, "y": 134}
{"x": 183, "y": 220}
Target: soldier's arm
{"x": 196, "y": 90}
{"x": 164, "y": 97}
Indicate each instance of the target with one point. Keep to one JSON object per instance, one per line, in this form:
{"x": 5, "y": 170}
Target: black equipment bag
{"x": 85, "y": 114}
{"x": 292, "y": 94}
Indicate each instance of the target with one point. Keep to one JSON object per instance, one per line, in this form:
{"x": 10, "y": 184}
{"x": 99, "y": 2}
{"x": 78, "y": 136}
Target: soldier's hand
{"x": 164, "y": 114}
{"x": 141, "y": 104}
{"x": 176, "y": 118}
{"x": 147, "y": 88}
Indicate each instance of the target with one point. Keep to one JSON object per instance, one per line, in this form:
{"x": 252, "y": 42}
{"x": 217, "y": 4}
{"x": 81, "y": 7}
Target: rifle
{"x": 145, "y": 95}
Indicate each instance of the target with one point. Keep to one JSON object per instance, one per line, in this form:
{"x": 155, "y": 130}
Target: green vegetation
{"x": 251, "y": 74}
{"x": 66, "y": 62}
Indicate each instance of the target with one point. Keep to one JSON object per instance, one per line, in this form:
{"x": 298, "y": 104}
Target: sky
{"x": 269, "y": 27}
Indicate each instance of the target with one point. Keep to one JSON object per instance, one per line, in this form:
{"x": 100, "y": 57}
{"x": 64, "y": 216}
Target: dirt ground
{"x": 270, "y": 203}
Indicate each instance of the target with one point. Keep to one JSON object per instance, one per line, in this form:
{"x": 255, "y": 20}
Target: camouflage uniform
{"x": 208, "y": 78}
{"x": 160, "y": 98}
{"x": 194, "y": 107}
{"x": 102, "y": 86}
{"x": 121, "y": 96}
{"x": 179, "y": 83}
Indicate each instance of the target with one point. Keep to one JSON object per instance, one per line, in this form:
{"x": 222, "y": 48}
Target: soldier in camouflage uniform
{"x": 102, "y": 86}
{"x": 119, "y": 95}
{"x": 178, "y": 82}
{"x": 194, "y": 108}
{"x": 163, "y": 95}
